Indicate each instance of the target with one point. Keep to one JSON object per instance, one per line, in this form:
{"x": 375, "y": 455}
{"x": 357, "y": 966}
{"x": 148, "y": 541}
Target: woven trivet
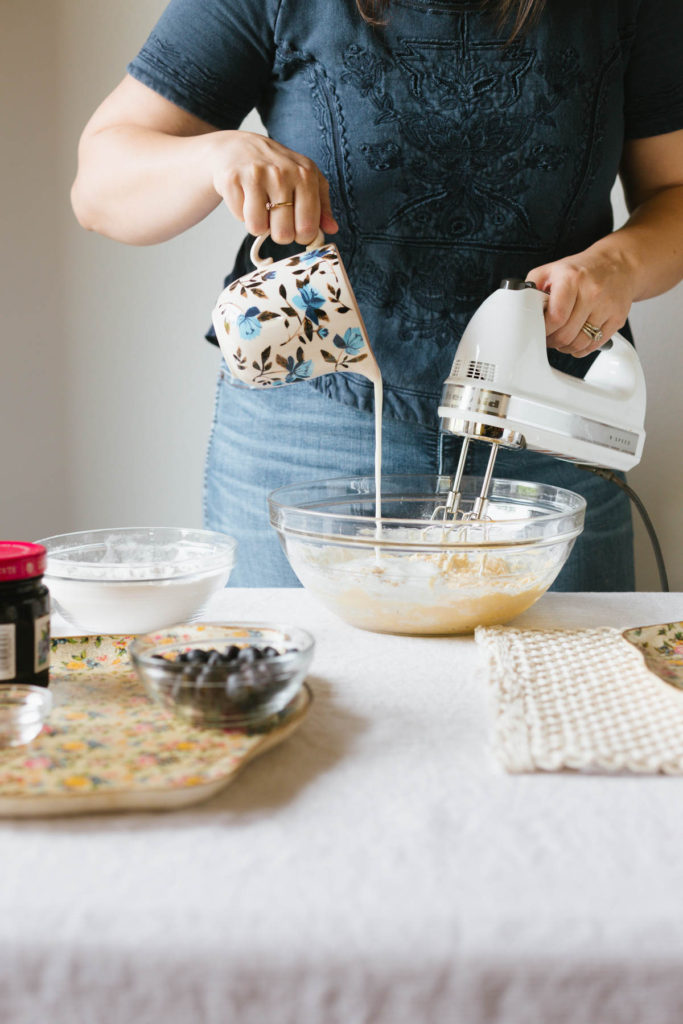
{"x": 579, "y": 699}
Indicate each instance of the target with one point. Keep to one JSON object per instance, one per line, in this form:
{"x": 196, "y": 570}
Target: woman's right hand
{"x": 251, "y": 170}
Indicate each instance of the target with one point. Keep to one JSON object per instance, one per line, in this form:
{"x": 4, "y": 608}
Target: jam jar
{"x": 24, "y": 614}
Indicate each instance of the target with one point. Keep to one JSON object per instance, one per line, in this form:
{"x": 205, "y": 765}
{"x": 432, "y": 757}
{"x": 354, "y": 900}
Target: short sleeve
{"x": 654, "y": 75}
{"x": 213, "y": 58}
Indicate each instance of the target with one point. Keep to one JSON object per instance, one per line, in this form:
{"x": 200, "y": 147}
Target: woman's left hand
{"x": 593, "y": 289}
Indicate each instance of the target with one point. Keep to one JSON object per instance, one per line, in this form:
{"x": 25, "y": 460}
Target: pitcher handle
{"x": 259, "y": 261}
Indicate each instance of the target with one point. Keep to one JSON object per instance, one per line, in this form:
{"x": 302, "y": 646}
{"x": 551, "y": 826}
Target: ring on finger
{"x": 276, "y": 206}
{"x": 593, "y": 332}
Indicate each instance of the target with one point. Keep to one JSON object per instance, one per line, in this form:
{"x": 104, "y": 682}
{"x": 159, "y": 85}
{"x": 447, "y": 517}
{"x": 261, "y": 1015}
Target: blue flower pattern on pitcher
{"x": 311, "y": 257}
{"x": 352, "y": 342}
{"x": 298, "y": 370}
{"x": 309, "y": 300}
{"x": 248, "y": 324}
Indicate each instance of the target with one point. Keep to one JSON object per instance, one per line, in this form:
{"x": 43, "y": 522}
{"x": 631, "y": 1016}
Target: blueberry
{"x": 247, "y": 656}
{"x": 237, "y": 689}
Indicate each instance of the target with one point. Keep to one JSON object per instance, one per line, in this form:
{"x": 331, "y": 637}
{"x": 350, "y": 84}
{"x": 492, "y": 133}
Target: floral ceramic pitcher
{"x": 292, "y": 320}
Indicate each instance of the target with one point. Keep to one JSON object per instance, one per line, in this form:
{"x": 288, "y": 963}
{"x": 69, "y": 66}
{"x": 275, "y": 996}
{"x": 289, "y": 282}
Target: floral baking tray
{"x": 662, "y": 648}
{"x": 107, "y": 747}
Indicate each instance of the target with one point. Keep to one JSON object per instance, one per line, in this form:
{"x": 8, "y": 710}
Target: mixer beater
{"x": 451, "y": 509}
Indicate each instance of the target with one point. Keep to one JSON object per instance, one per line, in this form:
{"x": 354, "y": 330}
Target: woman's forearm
{"x": 141, "y": 186}
{"x": 651, "y": 242}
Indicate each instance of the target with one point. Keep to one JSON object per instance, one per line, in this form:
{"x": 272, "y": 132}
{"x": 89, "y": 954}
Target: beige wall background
{"x": 106, "y": 387}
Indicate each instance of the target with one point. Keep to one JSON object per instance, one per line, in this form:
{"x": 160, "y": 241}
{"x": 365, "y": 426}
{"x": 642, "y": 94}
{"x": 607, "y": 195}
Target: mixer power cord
{"x": 610, "y": 475}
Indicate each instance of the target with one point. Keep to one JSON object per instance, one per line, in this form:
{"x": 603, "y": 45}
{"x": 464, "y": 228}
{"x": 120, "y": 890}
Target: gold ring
{"x": 275, "y": 206}
{"x": 593, "y": 332}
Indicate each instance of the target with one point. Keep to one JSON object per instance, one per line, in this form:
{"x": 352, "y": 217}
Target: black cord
{"x": 608, "y": 474}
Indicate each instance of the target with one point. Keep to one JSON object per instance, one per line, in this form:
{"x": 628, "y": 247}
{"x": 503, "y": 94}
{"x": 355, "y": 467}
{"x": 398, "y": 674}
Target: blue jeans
{"x": 263, "y": 440}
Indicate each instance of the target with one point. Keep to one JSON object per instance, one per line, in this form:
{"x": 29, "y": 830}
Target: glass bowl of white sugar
{"x": 135, "y": 579}
{"x": 407, "y": 572}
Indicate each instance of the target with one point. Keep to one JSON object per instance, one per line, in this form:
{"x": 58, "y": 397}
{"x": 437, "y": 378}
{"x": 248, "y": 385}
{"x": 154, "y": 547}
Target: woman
{"x": 446, "y": 145}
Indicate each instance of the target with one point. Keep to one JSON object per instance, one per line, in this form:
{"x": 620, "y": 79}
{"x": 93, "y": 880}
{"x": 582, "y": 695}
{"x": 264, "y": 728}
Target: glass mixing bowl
{"x": 135, "y": 579}
{"x": 409, "y": 574}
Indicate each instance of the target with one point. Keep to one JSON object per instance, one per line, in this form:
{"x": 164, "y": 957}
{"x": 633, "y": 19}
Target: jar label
{"x": 41, "y": 635}
{"x": 8, "y": 652}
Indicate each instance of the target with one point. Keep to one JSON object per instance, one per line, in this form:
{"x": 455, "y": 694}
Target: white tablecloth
{"x": 378, "y": 868}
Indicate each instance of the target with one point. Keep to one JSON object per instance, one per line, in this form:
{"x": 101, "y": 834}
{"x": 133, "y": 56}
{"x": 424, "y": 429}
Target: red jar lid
{"x": 20, "y": 560}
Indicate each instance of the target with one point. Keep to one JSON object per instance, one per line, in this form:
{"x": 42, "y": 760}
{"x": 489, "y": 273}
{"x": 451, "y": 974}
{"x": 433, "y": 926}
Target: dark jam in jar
{"x": 24, "y": 614}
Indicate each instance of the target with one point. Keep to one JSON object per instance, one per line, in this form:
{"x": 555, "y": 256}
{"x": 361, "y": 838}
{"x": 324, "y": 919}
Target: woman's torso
{"x": 453, "y": 159}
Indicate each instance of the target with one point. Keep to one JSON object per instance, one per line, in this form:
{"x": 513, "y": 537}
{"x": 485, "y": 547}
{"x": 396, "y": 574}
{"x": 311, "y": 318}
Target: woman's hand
{"x": 638, "y": 261}
{"x": 594, "y": 288}
{"x": 250, "y": 171}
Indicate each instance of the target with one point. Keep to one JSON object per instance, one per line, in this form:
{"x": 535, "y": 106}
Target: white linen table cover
{"x": 378, "y": 868}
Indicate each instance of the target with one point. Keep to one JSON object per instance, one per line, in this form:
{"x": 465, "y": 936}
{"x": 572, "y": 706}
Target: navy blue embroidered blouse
{"x": 453, "y": 160}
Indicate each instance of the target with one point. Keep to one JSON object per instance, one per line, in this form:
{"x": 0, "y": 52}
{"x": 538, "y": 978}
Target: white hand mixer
{"x": 502, "y": 390}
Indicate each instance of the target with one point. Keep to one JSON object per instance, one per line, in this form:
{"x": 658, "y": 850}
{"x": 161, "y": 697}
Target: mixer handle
{"x": 262, "y": 261}
{"x": 626, "y": 349}
{"x": 621, "y": 342}
{"x": 617, "y": 369}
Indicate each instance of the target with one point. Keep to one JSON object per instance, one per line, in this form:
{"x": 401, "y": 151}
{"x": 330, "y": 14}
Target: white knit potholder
{"x": 579, "y": 699}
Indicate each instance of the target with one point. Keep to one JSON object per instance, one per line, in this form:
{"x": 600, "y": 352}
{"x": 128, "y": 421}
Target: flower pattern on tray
{"x": 105, "y": 735}
{"x": 662, "y": 648}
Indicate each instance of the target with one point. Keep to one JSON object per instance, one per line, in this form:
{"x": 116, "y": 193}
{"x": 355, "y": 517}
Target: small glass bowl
{"x": 23, "y": 712}
{"x": 135, "y": 579}
{"x": 236, "y": 696}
